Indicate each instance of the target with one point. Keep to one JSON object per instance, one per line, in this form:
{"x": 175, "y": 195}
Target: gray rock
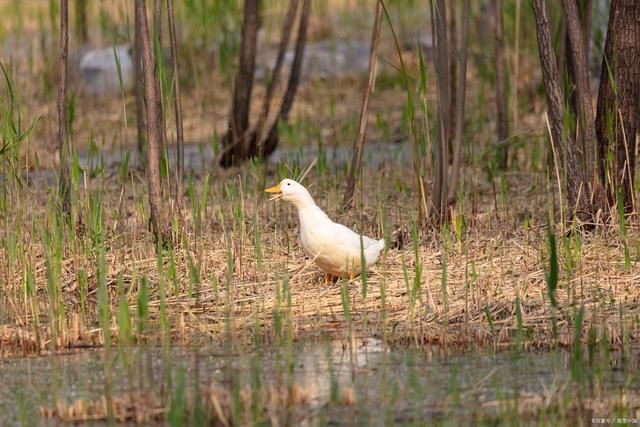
{"x": 327, "y": 59}
{"x": 98, "y": 71}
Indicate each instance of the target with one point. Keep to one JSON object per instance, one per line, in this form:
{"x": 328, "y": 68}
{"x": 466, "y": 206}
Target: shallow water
{"x": 200, "y": 159}
{"x": 382, "y": 385}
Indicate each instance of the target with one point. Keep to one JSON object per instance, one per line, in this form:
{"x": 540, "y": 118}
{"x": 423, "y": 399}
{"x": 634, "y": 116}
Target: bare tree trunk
{"x": 177, "y": 105}
{"x": 618, "y": 116}
{"x": 441, "y": 59}
{"x": 241, "y": 142}
{"x": 294, "y": 79}
{"x": 562, "y": 46}
{"x": 287, "y": 28}
{"x": 586, "y": 17}
{"x": 296, "y": 66}
{"x": 452, "y": 43}
{"x": 502, "y": 123}
{"x": 513, "y": 93}
{"x": 461, "y": 89}
{"x": 81, "y": 20}
{"x": 157, "y": 41}
{"x": 571, "y": 91}
{"x": 585, "y": 135}
{"x": 236, "y": 139}
{"x": 139, "y": 82}
{"x": 576, "y": 183}
{"x": 358, "y": 143}
{"x": 63, "y": 140}
{"x": 157, "y": 218}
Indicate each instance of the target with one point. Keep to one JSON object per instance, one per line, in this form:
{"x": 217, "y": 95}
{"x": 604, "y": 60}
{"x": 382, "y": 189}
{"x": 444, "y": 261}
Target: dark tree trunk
{"x": 441, "y": 62}
{"x": 461, "y": 89}
{"x": 296, "y": 66}
{"x": 81, "y": 20}
{"x": 563, "y": 42}
{"x": 236, "y": 140}
{"x": 502, "y": 124}
{"x": 139, "y": 82}
{"x": 452, "y": 42}
{"x": 294, "y": 78}
{"x": 177, "y": 105}
{"x": 244, "y": 80}
{"x": 240, "y": 142}
{"x": 157, "y": 218}
{"x": 576, "y": 183}
{"x": 583, "y": 8}
{"x": 63, "y": 140}
{"x": 586, "y": 11}
{"x": 287, "y": 28}
{"x": 157, "y": 44}
{"x": 358, "y": 143}
{"x": 618, "y": 112}
{"x": 585, "y": 135}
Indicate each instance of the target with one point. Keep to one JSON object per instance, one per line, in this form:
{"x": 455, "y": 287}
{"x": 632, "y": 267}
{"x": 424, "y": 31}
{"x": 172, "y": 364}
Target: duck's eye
{"x": 288, "y": 183}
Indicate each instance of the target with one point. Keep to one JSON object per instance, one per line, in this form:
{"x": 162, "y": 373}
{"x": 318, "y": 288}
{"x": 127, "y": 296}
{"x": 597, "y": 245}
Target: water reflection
{"x": 361, "y": 379}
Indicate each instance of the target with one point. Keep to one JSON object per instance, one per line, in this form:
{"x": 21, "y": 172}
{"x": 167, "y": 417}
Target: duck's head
{"x": 288, "y": 190}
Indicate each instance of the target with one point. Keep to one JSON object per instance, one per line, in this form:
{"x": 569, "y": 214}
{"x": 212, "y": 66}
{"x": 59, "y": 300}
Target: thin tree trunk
{"x": 81, "y": 20}
{"x": 156, "y": 46}
{"x": 513, "y": 93}
{"x": 502, "y": 123}
{"x": 177, "y": 105}
{"x": 576, "y": 184}
{"x": 358, "y": 143}
{"x": 236, "y": 140}
{"x": 157, "y": 40}
{"x": 571, "y": 87}
{"x": 586, "y": 16}
{"x": 452, "y": 44}
{"x": 461, "y": 97}
{"x": 287, "y": 28}
{"x": 296, "y": 66}
{"x": 441, "y": 59}
{"x": 139, "y": 83}
{"x": 562, "y": 46}
{"x": 618, "y": 111}
{"x": 586, "y": 132}
{"x": 63, "y": 141}
{"x": 157, "y": 219}
{"x": 294, "y": 79}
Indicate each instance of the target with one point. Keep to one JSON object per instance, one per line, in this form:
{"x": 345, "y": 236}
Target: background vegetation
{"x": 496, "y": 158}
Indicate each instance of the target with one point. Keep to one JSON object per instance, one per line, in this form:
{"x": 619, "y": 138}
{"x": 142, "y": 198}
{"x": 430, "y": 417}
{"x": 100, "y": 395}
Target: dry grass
{"x": 498, "y": 261}
{"x": 278, "y": 405}
{"x": 532, "y": 406}
{"x": 470, "y": 284}
{"x": 139, "y": 408}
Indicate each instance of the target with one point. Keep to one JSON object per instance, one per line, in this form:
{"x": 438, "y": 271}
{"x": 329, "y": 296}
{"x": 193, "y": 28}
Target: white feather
{"x": 336, "y": 249}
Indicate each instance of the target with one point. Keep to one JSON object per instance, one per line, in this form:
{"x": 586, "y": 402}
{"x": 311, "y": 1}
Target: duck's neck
{"x": 308, "y": 211}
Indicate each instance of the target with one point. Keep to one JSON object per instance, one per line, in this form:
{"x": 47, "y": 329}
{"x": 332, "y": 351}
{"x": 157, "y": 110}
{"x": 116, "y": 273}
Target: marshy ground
{"x": 235, "y": 325}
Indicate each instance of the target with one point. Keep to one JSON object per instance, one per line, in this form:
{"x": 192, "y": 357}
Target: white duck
{"x": 333, "y": 247}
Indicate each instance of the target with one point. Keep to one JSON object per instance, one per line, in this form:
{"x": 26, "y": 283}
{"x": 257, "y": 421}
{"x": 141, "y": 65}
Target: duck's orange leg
{"x": 327, "y": 279}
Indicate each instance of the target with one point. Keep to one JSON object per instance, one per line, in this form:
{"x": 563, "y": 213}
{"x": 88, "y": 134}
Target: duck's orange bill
{"x": 277, "y": 193}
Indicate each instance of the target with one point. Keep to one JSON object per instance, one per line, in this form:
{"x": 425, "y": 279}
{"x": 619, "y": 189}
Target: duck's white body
{"x": 333, "y": 247}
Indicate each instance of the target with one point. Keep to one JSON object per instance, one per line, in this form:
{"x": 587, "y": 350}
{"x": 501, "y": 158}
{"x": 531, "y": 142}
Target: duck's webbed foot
{"x": 328, "y": 279}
